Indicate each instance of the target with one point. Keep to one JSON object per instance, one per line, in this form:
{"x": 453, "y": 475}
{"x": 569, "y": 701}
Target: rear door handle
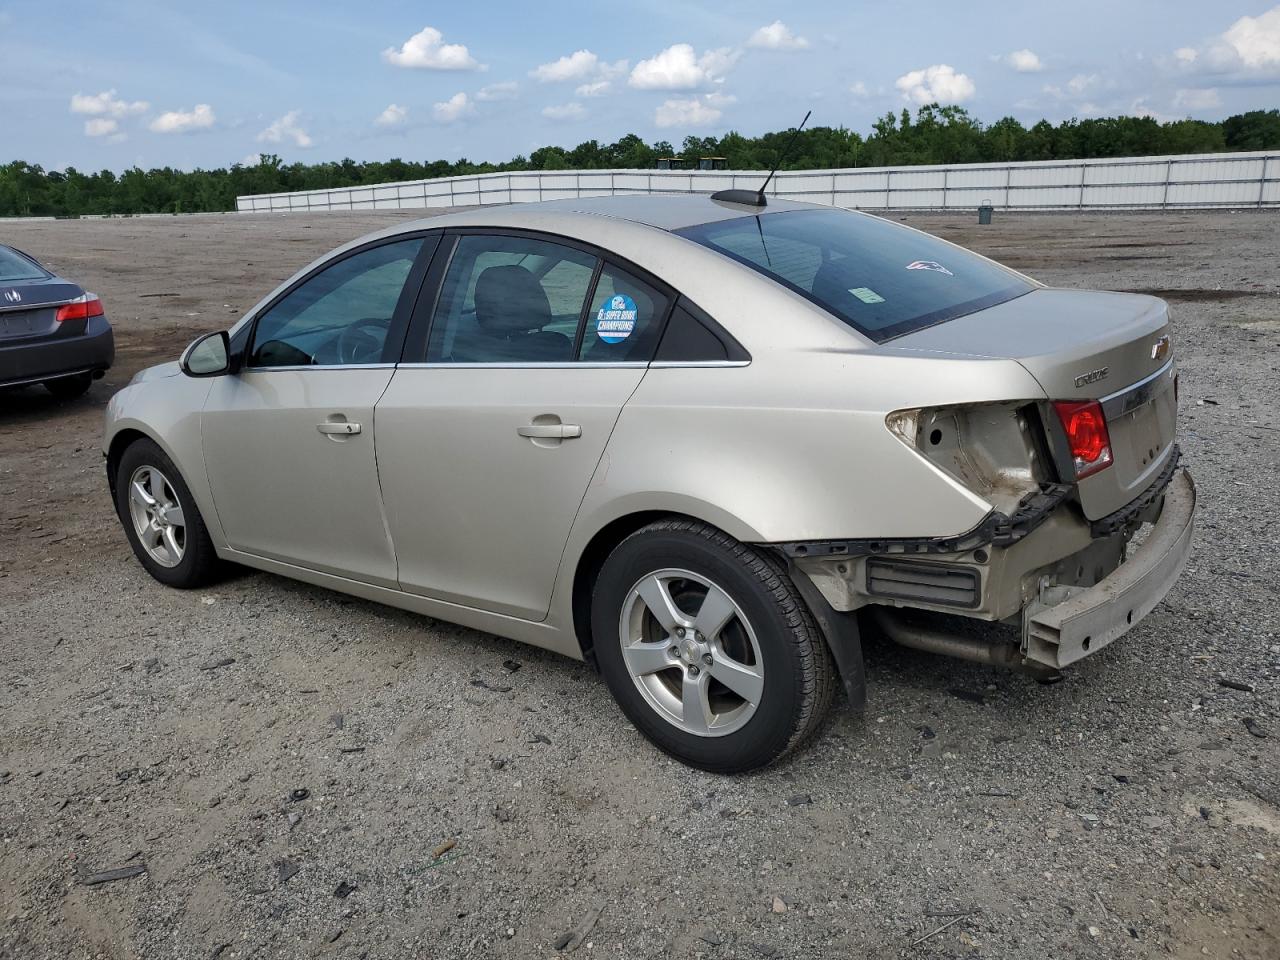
{"x": 550, "y": 431}
{"x": 341, "y": 428}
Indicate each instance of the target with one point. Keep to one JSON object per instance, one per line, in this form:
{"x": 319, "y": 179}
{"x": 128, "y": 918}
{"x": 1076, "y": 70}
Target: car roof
{"x": 665, "y": 211}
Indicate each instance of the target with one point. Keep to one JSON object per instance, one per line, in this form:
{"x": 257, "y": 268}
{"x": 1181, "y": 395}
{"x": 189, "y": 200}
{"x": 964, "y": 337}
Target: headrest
{"x": 510, "y": 300}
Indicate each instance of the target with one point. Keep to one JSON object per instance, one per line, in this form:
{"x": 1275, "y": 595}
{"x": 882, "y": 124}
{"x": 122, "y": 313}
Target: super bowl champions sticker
{"x": 616, "y": 320}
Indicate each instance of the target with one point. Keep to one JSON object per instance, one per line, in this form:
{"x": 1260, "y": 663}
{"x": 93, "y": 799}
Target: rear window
{"x": 881, "y": 279}
{"x": 14, "y": 266}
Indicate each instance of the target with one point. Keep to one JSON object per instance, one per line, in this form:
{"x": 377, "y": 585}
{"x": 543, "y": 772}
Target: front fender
{"x": 168, "y": 410}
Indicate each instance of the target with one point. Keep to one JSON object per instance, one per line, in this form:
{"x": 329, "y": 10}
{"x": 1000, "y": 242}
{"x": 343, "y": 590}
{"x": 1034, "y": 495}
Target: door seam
{"x": 604, "y": 451}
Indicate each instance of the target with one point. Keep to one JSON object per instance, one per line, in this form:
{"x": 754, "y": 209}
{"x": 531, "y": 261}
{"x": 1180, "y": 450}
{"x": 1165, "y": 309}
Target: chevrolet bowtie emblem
{"x": 1160, "y": 349}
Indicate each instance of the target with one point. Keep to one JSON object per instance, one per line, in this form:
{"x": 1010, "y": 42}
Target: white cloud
{"x": 426, "y": 50}
{"x": 106, "y": 104}
{"x": 1024, "y": 61}
{"x": 776, "y": 36}
{"x": 860, "y": 90}
{"x": 252, "y": 160}
{"x": 1078, "y": 85}
{"x": 1082, "y": 82}
{"x": 1255, "y": 41}
{"x": 692, "y": 111}
{"x": 100, "y": 127}
{"x": 455, "y": 108}
{"x": 1249, "y": 47}
{"x": 393, "y": 116}
{"x": 576, "y": 66}
{"x": 594, "y": 76}
{"x": 597, "y": 88}
{"x": 679, "y": 68}
{"x": 564, "y": 111}
{"x": 498, "y": 91}
{"x": 200, "y": 117}
{"x": 936, "y": 84}
{"x": 286, "y": 128}
{"x": 1203, "y": 99}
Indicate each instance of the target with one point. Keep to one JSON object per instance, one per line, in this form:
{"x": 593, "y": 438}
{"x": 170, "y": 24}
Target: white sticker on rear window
{"x": 616, "y": 320}
{"x": 866, "y": 295}
{"x": 933, "y": 265}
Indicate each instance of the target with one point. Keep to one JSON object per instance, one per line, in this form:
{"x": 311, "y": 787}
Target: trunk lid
{"x": 1084, "y": 345}
{"x": 28, "y": 308}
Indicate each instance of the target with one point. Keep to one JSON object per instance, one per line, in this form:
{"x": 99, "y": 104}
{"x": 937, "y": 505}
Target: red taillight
{"x": 1087, "y": 436}
{"x": 81, "y": 308}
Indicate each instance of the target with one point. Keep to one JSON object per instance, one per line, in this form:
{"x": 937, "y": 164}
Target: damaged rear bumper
{"x": 1068, "y": 623}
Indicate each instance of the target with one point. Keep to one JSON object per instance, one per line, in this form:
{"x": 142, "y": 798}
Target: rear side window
{"x": 882, "y": 279}
{"x": 510, "y": 300}
{"x": 693, "y": 337}
{"x": 14, "y": 266}
{"x": 624, "y": 319}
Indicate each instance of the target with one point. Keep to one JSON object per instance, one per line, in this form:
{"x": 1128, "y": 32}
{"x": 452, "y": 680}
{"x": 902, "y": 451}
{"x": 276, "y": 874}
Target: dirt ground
{"x": 300, "y": 801}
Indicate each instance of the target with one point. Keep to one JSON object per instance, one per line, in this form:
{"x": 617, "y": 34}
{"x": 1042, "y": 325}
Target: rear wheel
{"x": 708, "y": 648}
{"x": 161, "y": 519}
{"x": 68, "y": 388}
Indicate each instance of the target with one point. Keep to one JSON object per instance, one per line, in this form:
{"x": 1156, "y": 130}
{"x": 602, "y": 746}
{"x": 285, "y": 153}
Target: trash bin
{"x": 984, "y": 212}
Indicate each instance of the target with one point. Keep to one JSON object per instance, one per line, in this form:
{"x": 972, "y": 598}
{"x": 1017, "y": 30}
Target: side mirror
{"x": 209, "y": 356}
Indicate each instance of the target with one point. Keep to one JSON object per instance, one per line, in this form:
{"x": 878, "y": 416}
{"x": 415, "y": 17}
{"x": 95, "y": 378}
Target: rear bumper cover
{"x": 1070, "y": 623}
{"x": 48, "y": 358}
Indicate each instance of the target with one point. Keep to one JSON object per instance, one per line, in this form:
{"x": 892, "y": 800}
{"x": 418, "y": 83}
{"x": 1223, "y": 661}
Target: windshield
{"x": 881, "y": 279}
{"x": 14, "y": 266}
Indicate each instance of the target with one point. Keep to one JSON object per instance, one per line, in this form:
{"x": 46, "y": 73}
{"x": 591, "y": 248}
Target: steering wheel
{"x": 362, "y": 341}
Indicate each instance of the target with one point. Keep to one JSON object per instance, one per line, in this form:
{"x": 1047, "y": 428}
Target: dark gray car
{"x": 51, "y": 330}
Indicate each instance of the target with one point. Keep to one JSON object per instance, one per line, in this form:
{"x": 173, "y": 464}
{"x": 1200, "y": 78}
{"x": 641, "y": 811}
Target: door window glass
{"x": 624, "y": 320}
{"x": 341, "y": 315}
{"x": 510, "y": 300}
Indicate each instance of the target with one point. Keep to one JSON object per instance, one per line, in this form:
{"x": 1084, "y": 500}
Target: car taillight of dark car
{"x": 81, "y": 308}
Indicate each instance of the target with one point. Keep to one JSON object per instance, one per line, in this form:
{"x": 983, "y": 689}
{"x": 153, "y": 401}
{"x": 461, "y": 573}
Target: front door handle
{"x": 342, "y": 428}
{"x": 550, "y": 431}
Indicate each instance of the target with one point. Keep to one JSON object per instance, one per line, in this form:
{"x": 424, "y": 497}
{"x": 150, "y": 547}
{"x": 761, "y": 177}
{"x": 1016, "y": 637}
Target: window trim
{"x": 425, "y": 308}
{"x": 393, "y": 347}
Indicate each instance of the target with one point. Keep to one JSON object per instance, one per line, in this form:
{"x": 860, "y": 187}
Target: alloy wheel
{"x": 157, "y": 516}
{"x": 691, "y": 652}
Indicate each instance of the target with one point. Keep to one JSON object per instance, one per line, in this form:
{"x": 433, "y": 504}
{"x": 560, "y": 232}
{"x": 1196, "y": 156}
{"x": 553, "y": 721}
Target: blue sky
{"x": 116, "y": 84}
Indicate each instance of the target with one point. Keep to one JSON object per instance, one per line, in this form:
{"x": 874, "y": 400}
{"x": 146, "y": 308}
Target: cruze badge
{"x": 13, "y": 296}
{"x": 1160, "y": 349}
{"x": 1093, "y": 376}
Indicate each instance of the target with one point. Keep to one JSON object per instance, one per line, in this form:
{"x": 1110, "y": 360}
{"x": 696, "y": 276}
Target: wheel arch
{"x": 120, "y": 442}
{"x": 840, "y": 631}
{"x": 601, "y": 544}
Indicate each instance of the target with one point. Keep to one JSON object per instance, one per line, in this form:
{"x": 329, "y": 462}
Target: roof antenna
{"x": 755, "y": 198}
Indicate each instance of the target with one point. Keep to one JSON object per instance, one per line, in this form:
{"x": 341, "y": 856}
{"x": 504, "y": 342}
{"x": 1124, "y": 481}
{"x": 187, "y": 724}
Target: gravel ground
{"x": 293, "y": 773}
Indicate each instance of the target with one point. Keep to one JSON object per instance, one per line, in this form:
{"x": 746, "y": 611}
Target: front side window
{"x": 881, "y": 279}
{"x": 510, "y": 300}
{"x": 340, "y": 315}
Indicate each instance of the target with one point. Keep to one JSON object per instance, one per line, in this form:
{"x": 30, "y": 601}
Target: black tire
{"x": 199, "y": 564}
{"x": 68, "y": 388}
{"x": 799, "y": 675}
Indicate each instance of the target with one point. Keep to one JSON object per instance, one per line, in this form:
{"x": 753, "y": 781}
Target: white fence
{"x": 1233, "y": 180}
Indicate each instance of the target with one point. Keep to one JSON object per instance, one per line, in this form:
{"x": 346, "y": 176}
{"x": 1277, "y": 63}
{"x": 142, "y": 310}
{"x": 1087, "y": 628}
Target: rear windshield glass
{"x": 14, "y": 266}
{"x": 882, "y": 279}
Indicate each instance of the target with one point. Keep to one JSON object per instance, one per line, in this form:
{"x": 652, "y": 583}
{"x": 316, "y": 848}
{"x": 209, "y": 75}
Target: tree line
{"x": 936, "y": 134}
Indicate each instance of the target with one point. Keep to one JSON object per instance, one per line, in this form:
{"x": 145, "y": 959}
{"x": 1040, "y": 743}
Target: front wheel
{"x": 708, "y": 648}
{"x": 161, "y": 519}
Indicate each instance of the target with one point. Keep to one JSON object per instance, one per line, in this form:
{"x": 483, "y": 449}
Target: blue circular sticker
{"x": 616, "y": 319}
